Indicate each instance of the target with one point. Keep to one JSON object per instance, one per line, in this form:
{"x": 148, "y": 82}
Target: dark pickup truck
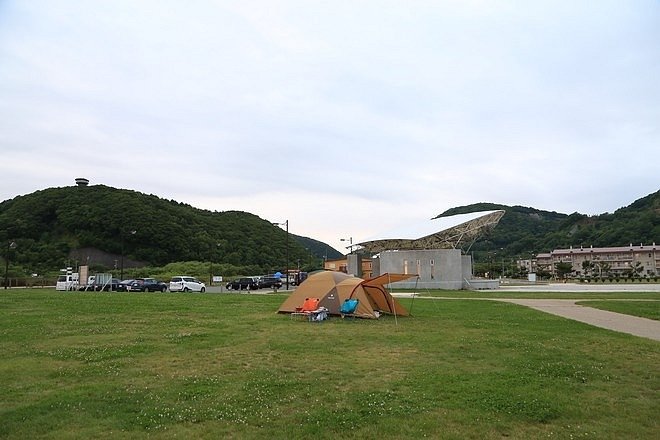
{"x": 147, "y": 285}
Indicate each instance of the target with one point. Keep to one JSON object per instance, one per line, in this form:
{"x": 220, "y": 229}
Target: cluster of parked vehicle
{"x": 176, "y": 284}
{"x": 255, "y": 283}
{"x": 133, "y": 285}
{"x": 266, "y": 281}
{"x": 181, "y": 283}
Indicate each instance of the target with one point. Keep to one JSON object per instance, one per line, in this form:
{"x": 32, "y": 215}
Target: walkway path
{"x": 567, "y": 308}
{"x": 581, "y": 287}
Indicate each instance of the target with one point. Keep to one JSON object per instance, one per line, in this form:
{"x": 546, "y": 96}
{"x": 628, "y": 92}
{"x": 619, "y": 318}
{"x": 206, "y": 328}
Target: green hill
{"x": 523, "y": 230}
{"x": 49, "y": 225}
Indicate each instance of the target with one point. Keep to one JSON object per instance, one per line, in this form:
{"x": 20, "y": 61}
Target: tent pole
{"x": 396, "y": 321}
{"x": 412, "y": 303}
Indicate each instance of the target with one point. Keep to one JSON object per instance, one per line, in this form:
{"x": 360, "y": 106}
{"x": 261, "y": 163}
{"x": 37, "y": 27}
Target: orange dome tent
{"x": 332, "y": 288}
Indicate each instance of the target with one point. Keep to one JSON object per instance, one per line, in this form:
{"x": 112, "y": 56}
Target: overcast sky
{"x": 347, "y": 118}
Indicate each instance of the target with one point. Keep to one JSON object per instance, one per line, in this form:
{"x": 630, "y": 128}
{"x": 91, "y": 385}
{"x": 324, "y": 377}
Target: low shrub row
{"x": 653, "y": 279}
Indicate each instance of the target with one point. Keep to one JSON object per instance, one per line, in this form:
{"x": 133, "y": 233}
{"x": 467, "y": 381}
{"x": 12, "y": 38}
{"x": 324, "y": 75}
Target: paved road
{"x": 581, "y": 287}
{"x": 646, "y": 328}
{"x": 567, "y": 308}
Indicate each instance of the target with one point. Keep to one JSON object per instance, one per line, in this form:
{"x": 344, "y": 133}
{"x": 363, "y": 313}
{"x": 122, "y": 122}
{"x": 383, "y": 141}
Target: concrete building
{"x": 436, "y": 269}
{"x": 643, "y": 260}
{"x": 433, "y": 251}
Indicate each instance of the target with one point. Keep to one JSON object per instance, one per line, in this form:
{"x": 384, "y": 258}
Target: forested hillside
{"x": 47, "y": 225}
{"x": 524, "y": 230}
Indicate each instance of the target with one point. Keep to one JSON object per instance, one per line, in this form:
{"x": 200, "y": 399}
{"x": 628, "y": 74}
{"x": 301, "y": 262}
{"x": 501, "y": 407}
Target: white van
{"x": 186, "y": 284}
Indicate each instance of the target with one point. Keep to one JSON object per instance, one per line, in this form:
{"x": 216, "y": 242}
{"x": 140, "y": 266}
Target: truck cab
{"x": 68, "y": 280}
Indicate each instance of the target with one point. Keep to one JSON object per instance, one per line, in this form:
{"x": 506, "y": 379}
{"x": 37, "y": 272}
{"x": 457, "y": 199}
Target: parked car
{"x": 271, "y": 283}
{"x": 113, "y": 285}
{"x": 243, "y": 284}
{"x": 186, "y": 284}
{"x": 296, "y": 279}
{"x": 124, "y": 285}
{"x": 147, "y": 285}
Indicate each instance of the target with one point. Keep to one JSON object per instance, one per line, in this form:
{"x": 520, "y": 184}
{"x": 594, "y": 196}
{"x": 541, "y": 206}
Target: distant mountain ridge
{"x": 524, "y": 230}
{"x": 48, "y": 225}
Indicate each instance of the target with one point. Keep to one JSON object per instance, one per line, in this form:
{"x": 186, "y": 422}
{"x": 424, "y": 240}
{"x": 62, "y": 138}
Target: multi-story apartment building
{"x": 643, "y": 260}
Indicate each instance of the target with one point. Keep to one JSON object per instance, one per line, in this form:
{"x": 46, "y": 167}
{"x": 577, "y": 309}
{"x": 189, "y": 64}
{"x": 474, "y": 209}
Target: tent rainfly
{"x": 332, "y": 288}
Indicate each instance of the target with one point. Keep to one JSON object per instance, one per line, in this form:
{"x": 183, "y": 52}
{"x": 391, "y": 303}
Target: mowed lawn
{"x": 114, "y": 365}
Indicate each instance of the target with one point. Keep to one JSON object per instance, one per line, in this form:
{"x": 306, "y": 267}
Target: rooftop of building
{"x": 438, "y": 233}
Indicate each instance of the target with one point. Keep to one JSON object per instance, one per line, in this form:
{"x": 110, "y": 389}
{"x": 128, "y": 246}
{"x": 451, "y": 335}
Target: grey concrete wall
{"x": 375, "y": 267}
{"x": 437, "y": 268}
{"x": 354, "y": 264}
{"x": 467, "y": 271}
{"x": 481, "y": 284}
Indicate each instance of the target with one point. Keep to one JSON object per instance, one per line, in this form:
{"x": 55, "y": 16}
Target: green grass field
{"x": 110, "y": 365}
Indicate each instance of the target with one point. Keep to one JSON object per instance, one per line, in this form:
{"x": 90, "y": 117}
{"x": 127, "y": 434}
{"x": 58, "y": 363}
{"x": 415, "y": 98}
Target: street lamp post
{"x": 350, "y": 240}
{"x": 286, "y": 271}
{"x": 502, "y": 256}
{"x": 211, "y": 266}
{"x": 211, "y": 263}
{"x": 10, "y": 245}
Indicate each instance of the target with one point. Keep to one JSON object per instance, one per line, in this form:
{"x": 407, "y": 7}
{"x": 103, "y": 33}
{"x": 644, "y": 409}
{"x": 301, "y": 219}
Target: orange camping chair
{"x": 308, "y": 307}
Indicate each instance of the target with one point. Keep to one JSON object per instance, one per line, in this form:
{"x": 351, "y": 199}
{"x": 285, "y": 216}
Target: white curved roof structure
{"x": 439, "y": 233}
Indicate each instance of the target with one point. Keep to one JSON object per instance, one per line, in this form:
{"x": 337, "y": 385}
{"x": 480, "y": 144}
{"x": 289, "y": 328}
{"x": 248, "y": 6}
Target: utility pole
{"x": 286, "y": 271}
{"x": 10, "y": 245}
{"x": 350, "y": 240}
{"x": 121, "y": 269}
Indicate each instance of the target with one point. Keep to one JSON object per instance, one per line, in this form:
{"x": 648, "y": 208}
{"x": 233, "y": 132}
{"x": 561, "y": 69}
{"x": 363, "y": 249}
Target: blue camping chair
{"x": 349, "y": 307}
